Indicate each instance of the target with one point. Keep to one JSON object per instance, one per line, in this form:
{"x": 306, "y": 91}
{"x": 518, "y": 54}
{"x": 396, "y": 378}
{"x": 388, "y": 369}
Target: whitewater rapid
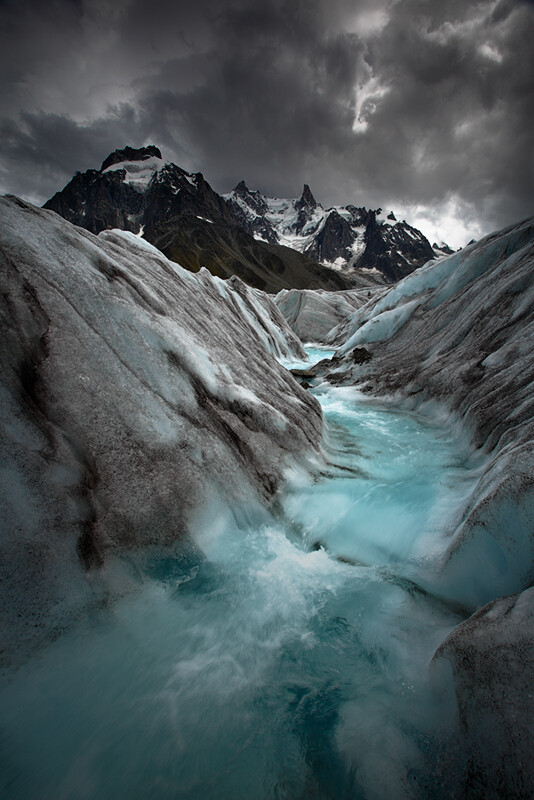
{"x": 283, "y": 657}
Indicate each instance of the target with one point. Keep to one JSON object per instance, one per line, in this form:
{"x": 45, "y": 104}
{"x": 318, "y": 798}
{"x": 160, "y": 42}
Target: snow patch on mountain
{"x": 138, "y": 173}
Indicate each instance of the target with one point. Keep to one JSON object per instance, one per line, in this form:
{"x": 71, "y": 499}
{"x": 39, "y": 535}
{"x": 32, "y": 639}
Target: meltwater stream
{"x": 286, "y": 660}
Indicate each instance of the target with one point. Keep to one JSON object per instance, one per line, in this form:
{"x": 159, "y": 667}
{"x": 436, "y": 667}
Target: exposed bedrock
{"x": 134, "y": 396}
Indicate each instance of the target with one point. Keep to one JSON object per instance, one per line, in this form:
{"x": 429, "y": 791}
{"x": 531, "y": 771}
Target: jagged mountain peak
{"x": 241, "y": 188}
{"x": 130, "y": 154}
{"x": 442, "y": 249}
{"x": 351, "y": 239}
{"x": 306, "y": 200}
{"x": 137, "y": 191}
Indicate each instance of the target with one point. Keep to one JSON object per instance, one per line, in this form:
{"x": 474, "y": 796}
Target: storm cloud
{"x": 418, "y": 106}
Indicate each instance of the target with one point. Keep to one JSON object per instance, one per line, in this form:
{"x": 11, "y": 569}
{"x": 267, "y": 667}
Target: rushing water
{"x": 286, "y": 660}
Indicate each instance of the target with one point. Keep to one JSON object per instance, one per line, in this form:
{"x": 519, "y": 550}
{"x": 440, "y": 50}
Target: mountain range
{"x": 355, "y": 241}
{"x": 270, "y": 243}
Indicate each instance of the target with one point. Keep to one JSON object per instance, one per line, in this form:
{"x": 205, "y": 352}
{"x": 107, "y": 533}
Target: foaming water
{"x": 315, "y": 353}
{"x": 394, "y": 488}
{"x": 283, "y": 660}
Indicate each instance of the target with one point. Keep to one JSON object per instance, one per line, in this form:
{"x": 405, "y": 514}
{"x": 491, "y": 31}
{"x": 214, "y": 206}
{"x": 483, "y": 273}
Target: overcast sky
{"x": 422, "y": 107}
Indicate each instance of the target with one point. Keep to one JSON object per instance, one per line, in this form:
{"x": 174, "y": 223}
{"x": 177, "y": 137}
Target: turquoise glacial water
{"x": 287, "y": 659}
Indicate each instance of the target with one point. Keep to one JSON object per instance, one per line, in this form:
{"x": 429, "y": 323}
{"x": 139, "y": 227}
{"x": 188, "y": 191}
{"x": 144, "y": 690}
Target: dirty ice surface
{"x": 282, "y": 658}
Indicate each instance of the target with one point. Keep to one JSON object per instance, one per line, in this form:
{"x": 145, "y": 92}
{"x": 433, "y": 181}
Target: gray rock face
{"x": 136, "y": 398}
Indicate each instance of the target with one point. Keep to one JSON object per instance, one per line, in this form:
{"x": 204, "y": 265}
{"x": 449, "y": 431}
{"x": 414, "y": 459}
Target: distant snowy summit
{"x": 269, "y": 243}
{"x": 347, "y": 238}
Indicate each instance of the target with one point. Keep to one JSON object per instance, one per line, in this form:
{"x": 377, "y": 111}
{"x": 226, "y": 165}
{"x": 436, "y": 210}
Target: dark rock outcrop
{"x": 306, "y": 200}
{"x": 442, "y": 249}
{"x": 334, "y": 240}
{"x": 394, "y": 250}
{"x": 98, "y": 202}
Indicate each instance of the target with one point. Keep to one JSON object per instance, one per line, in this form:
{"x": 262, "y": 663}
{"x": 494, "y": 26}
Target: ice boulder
{"x": 137, "y": 400}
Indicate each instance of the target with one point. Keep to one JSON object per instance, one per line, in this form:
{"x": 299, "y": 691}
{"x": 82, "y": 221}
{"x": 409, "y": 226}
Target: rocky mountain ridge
{"x": 351, "y": 239}
{"x": 270, "y": 243}
{"x": 180, "y": 214}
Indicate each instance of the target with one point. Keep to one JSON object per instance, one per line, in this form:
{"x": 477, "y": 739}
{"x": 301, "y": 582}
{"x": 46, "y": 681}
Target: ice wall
{"x": 312, "y": 313}
{"x": 459, "y": 331}
{"x": 135, "y": 396}
{"x": 492, "y": 655}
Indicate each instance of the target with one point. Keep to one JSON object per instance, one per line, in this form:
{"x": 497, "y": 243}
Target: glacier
{"x": 453, "y": 341}
{"x": 217, "y": 583}
{"x": 313, "y": 314}
{"x": 134, "y": 394}
{"x": 457, "y": 334}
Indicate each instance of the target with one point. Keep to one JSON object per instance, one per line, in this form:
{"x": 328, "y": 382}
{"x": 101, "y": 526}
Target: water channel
{"x": 291, "y": 659}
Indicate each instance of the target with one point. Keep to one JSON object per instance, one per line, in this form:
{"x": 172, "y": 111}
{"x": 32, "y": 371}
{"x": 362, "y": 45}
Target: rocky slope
{"x": 135, "y": 397}
{"x": 179, "y": 213}
{"x": 356, "y": 241}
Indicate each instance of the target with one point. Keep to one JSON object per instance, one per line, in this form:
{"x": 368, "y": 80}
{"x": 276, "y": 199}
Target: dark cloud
{"x": 422, "y": 106}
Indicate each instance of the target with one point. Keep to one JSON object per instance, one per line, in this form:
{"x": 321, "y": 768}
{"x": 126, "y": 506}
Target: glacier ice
{"x": 311, "y": 314}
{"x": 146, "y": 424}
{"x": 133, "y": 393}
{"x": 455, "y": 332}
{"x": 455, "y": 337}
